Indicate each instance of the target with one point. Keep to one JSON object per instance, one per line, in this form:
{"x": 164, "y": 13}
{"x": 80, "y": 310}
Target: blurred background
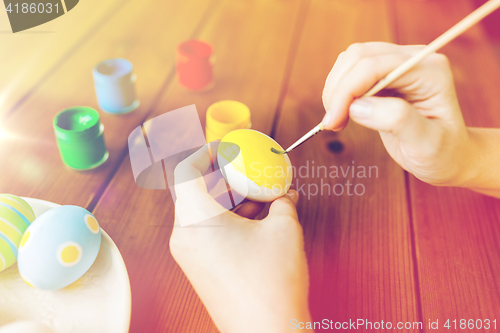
{"x": 380, "y": 256}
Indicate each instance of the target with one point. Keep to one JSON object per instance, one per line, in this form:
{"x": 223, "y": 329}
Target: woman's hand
{"x": 421, "y": 126}
{"x": 251, "y": 274}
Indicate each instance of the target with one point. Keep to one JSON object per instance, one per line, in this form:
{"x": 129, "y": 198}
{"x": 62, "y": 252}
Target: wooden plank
{"x": 491, "y": 23}
{"x": 35, "y": 168}
{"x": 251, "y": 42}
{"x": 456, "y": 230}
{"x": 27, "y": 57}
{"x": 358, "y": 245}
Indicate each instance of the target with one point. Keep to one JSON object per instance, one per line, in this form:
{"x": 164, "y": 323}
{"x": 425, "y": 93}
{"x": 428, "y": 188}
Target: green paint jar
{"x": 79, "y": 136}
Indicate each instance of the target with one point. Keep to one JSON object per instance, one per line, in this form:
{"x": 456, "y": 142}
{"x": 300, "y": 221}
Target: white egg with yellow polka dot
{"x": 59, "y": 247}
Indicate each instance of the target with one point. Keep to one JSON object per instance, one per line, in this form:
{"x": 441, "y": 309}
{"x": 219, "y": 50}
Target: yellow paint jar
{"x": 224, "y": 117}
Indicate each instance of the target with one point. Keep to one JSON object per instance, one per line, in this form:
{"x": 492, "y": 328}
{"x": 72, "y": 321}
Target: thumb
{"x": 393, "y": 115}
{"x": 285, "y": 206}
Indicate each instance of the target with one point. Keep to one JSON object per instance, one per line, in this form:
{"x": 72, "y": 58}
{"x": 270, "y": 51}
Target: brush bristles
{"x": 276, "y": 151}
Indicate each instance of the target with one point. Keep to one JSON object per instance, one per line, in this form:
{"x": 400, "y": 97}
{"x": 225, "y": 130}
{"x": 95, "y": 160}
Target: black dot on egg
{"x": 335, "y": 146}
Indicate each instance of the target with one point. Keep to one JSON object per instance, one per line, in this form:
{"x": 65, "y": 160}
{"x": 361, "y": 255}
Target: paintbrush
{"x": 438, "y": 43}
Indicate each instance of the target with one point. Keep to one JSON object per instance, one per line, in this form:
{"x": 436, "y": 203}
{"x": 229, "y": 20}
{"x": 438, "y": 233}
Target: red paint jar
{"x": 194, "y": 64}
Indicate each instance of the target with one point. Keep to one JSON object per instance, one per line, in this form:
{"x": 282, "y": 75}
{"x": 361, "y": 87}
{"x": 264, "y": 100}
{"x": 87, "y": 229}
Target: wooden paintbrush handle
{"x": 438, "y": 43}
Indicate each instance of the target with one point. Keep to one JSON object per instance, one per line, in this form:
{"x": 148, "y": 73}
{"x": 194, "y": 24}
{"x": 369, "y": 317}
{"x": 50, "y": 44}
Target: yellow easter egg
{"x": 15, "y": 217}
{"x": 251, "y": 168}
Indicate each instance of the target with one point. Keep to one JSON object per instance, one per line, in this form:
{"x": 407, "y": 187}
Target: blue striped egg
{"x": 16, "y": 215}
{"x": 59, "y": 247}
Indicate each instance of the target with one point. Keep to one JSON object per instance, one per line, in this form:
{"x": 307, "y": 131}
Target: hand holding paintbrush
{"x": 423, "y": 130}
{"x": 396, "y": 73}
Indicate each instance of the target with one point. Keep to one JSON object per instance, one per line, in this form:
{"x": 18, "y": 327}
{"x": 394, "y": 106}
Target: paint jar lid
{"x": 225, "y": 116}
{"x": 195, "y": 49}
{"x": 112, "y": 70}
{"x": 77, "y": 124}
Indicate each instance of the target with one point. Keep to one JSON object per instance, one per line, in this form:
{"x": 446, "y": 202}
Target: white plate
{"x": 100, "y": 301}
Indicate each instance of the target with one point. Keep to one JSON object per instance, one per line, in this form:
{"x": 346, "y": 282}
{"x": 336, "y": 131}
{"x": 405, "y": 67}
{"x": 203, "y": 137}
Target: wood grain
{"x": 28, "y": 57}
{"x": 359, "y": 246}
{"x": 491, "y": 23}
{"x": 456, "y": 230}
{"x": 251, "y": 42}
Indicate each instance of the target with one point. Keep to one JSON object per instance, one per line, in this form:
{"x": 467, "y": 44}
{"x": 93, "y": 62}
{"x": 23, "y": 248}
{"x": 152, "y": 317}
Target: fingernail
{"x": 327, "y": 119}
{"x": 292, "y": 194}
{"x": 361, "y": 108}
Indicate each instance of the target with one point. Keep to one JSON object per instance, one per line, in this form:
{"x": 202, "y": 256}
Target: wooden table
{"x": 404, "y": 251}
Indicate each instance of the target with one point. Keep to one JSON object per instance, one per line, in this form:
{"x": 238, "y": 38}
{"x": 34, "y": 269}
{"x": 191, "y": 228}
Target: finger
{"x": 396, "y": 116}
{"x": 348, "y": 59}
{"x": 190, "y": 169}
{"x": 364, "y": 75}
{"x": 216, "y": 184}
{"x": 343, "y": 124}
{"x": 194, "y": 204}
{"x": 285, "y": 206}
{"x": 250, "y": 209}
{"x": 204, "y": 162}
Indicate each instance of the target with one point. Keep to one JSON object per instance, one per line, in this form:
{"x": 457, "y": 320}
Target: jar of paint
{"x": 224, "y": 117}
{"x": 115, "y": 86}
{"x": 194, "y": 65}
{"x": 79, "y": 136}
